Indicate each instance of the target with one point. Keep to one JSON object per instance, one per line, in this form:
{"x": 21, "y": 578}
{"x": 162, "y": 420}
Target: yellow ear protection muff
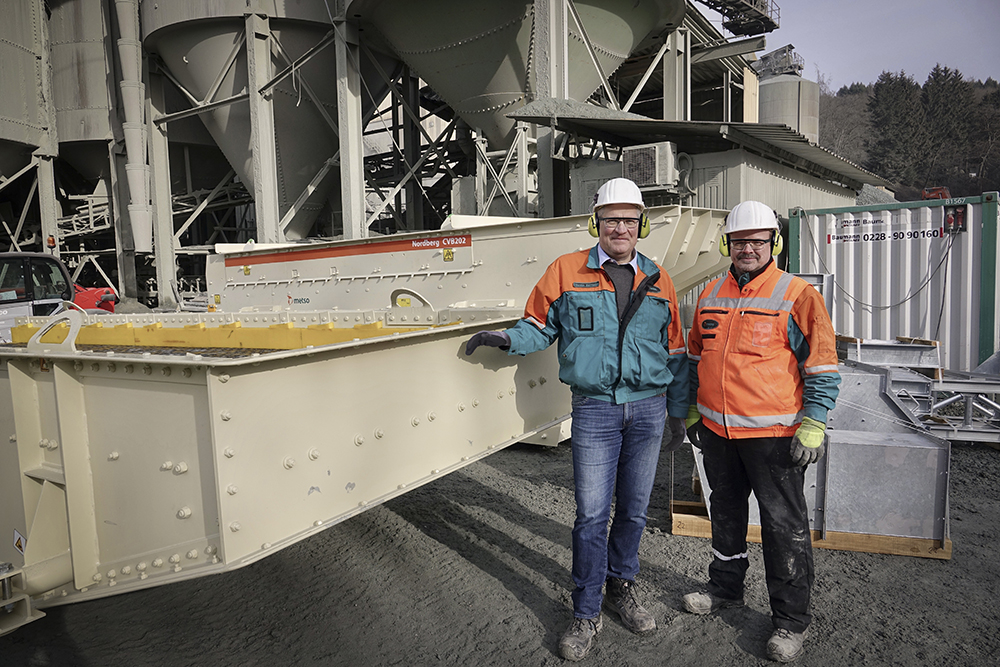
{"x": 777, "y": 244}
{"x": 643, "y": 225}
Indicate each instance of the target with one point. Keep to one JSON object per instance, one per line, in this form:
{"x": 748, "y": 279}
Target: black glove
{"x": 694, "y": 434}
{"x": 491, "y": 338}
{"x": 676, "y": 425}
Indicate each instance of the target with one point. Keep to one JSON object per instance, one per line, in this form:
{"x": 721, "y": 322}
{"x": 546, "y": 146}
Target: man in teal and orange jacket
{"x": 621, "y": 348}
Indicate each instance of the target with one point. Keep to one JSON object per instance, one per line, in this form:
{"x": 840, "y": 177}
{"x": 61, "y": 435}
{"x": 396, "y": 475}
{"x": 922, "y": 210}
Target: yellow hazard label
{"x": 403, "y": 301}
{"x": 218, "y": 299}
{"x": 449, "y": 255}
{"x": 246, "y": 269}
{"x": 19, "y": 542}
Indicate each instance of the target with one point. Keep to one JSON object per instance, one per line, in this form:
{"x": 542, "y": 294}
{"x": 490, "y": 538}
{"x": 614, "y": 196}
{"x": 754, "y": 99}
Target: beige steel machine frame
{"x": 125, "y": 471}
{"x": 152, "y": 448}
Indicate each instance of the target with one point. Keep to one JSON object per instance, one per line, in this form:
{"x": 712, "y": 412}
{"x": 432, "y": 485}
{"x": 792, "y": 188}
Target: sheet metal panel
{"x": 722, "y": 180}
{"x": 79, "y": 72}
{"x": 178, "y": 466}
{"x": 774, "y": 141}
{"x": 872, "y": 483}
{"x": 477, "y": 261}
{"x": 911, "y": 269}
{"x": 19, "y": 104}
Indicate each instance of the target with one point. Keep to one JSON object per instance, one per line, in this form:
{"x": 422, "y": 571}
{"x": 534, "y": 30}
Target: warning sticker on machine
{"x": 19, "y": 542}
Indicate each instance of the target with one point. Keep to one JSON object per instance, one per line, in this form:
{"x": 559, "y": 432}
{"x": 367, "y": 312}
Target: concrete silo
{"x": 785, "y": 97}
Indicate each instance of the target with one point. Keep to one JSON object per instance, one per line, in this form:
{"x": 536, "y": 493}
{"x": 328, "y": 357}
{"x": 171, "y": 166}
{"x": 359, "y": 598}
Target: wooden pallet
{"x": 934, "y": 372}
{"x": 691, "y": 520}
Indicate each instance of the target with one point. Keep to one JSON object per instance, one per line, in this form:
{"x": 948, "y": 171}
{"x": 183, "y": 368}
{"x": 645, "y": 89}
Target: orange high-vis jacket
{"x": 763, "y": 355}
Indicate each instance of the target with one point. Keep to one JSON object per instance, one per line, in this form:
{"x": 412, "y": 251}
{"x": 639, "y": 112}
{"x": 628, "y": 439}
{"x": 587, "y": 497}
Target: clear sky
{"x": 856, "y": 40}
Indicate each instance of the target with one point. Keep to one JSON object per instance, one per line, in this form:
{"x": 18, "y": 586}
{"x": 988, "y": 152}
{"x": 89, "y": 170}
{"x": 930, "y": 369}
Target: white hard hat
{"x": 618, "y": 191}
{"x": 749, "y": 215}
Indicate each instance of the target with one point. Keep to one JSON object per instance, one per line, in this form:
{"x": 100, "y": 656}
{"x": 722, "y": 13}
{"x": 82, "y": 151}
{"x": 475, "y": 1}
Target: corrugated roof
{"x": 776, "y": 142}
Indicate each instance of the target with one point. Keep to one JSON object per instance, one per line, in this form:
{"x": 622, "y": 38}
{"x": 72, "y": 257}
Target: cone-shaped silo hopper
{"x": 202, "y": 46}
{"x": 477, "y": 54}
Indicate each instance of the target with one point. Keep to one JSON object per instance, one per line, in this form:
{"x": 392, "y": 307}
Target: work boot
{"x": 576, "y": 641}
{"x": 620, "y": 598}
{"x": 704, "y": 602}
{"x": 785, "y": 645}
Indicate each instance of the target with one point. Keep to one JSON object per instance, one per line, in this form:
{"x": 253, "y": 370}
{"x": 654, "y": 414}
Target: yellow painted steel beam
{"x": 283, "y": 336}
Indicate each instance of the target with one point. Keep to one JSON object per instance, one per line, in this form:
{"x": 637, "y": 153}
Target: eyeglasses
{"x": 753, "y": 243}
{"x": 612, "y": 223}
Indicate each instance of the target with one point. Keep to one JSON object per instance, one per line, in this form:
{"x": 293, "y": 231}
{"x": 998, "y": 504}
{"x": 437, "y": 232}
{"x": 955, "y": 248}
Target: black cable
{"x": 944, "y": 291}
{"x": 926, "y": 282}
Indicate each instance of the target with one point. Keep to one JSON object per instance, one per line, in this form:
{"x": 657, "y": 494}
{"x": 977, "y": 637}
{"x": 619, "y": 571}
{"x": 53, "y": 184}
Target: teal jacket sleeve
{"x": 819, "y": 394}
{"x": 678, "y": 389}
{"x": 527, "y": 337}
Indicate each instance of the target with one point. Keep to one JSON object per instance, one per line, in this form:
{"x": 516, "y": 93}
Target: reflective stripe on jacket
{"x": 575, "y": 303}
{"x": 765, "y": 355}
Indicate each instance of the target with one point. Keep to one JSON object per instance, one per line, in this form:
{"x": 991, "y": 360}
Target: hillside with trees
{"x": 945, "y": 132}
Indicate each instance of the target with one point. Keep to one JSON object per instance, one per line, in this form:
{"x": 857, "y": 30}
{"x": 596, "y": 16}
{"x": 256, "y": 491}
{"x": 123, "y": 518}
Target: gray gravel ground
{"x": 473, "y": 569}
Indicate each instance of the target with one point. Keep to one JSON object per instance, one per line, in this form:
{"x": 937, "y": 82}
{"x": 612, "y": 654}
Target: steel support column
{"x": 49, "y": 148}
{"x": 47, "y": 205}
{"x": 127, "y": 282}
{"x": 163, "y": 215}
{"x": 264, "y": 153}
{"x": 677, "y": 76}
{"x": 352, "y": 179}
{"x": 411, "y": 151}
{"x": 727, "y": 97}
{"x": 550, "y": 48}
{"x": 521, "y": 167}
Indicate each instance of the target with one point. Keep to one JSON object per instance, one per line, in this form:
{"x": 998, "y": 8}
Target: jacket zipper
{"x": 729, "y": 340}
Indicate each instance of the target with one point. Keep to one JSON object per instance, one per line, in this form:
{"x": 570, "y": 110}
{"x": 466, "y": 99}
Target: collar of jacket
{"x": 647, "y": 267}
{"x": 754, "y": 275}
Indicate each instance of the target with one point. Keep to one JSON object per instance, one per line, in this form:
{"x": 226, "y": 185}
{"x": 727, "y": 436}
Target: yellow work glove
{"x": 692, "y": 416}
{"x": 808, "y": 443}
{"x": 693, "y": 423}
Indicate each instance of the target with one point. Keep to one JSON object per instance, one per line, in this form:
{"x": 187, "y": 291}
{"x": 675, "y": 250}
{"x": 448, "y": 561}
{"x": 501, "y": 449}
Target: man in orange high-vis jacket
{"x": 614, "y": 314}
{"x": 763, "y": 376}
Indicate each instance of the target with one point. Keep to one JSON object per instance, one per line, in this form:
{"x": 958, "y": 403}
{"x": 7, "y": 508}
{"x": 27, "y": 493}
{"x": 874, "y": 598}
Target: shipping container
{"x": 922, "y": 269}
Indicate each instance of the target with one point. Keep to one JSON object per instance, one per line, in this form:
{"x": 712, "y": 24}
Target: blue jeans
{"x": 615, "y": 450}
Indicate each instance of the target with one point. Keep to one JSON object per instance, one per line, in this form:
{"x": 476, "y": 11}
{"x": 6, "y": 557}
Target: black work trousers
{"x": 763, "y": 465}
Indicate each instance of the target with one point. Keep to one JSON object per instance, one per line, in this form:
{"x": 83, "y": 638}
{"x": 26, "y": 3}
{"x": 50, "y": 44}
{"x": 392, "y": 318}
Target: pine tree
{"x": 950, "y": 107}
{"x": 898, "y": 128}
{"x": 985, "y": 146}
